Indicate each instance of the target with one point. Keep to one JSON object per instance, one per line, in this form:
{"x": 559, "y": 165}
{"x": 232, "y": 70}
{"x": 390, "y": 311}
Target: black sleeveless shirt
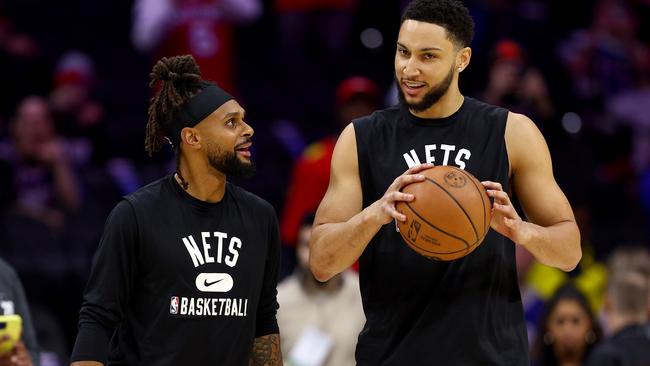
{"x": 420, "y": 311}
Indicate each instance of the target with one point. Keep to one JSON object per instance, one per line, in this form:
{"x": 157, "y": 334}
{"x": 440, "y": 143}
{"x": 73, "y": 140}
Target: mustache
{"x": 248, "y": 140}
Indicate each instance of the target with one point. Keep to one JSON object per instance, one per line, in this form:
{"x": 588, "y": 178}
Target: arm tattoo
{"x": 266, "y": 351}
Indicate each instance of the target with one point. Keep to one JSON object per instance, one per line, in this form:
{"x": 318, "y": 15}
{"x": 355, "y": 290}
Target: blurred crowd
{"x": 73, "y": 97}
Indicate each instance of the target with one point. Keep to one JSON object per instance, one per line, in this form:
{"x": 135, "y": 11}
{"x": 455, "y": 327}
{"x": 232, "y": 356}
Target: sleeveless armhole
{"x": 360, "y": 133}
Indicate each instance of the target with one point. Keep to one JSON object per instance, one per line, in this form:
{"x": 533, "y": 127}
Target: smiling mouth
{"x": 244, "y": 149}
{"x": 411, "y": 87}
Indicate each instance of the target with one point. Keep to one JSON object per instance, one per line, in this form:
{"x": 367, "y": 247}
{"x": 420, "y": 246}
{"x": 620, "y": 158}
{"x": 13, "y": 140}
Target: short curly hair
{"x": 449, "y": 14}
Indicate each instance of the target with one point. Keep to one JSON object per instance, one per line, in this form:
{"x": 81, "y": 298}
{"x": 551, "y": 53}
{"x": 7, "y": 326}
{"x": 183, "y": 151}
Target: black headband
{"x": 196, "y": 109}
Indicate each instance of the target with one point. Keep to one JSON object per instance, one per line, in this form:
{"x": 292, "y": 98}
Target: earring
{"x": 590, "y": 337}
{"x": 548, "y": 339}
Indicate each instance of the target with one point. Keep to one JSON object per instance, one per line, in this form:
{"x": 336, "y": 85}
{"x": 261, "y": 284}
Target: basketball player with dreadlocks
{"x": 186, "y": 269}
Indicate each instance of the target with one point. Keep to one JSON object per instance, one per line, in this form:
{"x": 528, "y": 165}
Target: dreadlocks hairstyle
{"x": 449, "y": 14}
{"x": 181, "y": 80}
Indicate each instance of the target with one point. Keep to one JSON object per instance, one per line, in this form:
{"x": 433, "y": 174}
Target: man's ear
{"x": 191, "y": 137}
{"x": 463, "y": 58}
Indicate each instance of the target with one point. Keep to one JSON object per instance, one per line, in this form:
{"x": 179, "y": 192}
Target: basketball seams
{"x": 458, "y": 204}
{"x": 468, "y": 249}
{"x": 438, "y": 229}
{"x": 482, "y": 200}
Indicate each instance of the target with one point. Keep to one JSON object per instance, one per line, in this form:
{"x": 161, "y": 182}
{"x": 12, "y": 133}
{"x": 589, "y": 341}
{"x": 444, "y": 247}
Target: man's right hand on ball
{"x": 383, "y": 210}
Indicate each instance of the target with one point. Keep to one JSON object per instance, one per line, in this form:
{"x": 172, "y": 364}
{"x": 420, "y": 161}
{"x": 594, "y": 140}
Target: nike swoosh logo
{"x": 214, "y": 282}
{"x": 208, "y": 284}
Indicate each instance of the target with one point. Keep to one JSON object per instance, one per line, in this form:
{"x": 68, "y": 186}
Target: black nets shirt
{"x": 178, "y": 281}
{"x": 423, "y": 312}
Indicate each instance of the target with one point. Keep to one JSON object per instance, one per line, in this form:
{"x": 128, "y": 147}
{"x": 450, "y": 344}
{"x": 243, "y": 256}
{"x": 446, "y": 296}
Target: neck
{"x": 445, "y": 107}
{"x": 202, "y": 181}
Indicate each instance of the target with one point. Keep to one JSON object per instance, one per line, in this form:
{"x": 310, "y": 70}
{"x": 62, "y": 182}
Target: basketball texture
{"x": 449, "y": 216}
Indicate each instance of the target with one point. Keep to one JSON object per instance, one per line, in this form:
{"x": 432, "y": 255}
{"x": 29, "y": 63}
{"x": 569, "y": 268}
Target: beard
{"x": 430, "y": 98}
{"x": 228, "y": 163}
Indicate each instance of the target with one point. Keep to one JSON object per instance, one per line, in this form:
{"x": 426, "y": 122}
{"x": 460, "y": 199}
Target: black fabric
{"x": 143, "y": 264}
{"x": 628, "y": 347}
{"x": 196, "y": 109}
{"x": 423, "y": 312}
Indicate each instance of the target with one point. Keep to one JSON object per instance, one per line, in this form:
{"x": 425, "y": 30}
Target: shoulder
{"x": 377, "y": 118}
{"x": 520, "y": 126}
{"x": 606, "y": 353}
{"x": 524, "y": 141}
{"x": 488, "y": 116}
{"x": 7, "y": 271}
{"x": 489, "y": 109}
{"x": 148, "y": 194}
{"x": 250, "y": 200}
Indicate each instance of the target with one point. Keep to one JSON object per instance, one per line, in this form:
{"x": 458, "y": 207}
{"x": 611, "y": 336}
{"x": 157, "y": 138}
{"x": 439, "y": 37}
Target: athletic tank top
{"x": 425, "y": 312}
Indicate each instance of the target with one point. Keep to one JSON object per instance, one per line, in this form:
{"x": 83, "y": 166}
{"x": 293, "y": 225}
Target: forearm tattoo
{"x": 266, "y": 351}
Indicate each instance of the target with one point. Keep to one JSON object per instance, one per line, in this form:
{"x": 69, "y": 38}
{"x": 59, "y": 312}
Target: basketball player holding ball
{"x": 423, "y": 312}
{"x": 186, "y": 269}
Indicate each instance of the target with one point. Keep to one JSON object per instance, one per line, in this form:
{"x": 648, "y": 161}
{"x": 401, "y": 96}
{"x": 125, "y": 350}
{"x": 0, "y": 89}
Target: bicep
{"x": 541, "y": 198}
{"x": 343, "y": 198}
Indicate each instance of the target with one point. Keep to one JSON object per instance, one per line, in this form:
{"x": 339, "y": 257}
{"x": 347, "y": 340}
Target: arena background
{"x": 580, "y": 69}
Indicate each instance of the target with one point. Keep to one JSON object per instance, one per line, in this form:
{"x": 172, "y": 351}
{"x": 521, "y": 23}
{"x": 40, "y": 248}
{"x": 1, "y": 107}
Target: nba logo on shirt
{"x": 173, "y": 306}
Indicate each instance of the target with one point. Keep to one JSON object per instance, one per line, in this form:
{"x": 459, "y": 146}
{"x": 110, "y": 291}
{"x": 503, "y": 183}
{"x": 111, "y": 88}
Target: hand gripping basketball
{"x": 505, "y": 219}
{"x": 385, "y": 210}
{"x": 449, "y": 217}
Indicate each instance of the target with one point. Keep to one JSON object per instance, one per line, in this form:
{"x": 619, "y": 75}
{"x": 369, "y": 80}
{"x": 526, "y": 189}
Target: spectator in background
{"x": 517, "y": 86}
{"x": 43, "y": 180}
{"x": 356, "y": 96}
{"x": 320, "y": 321}
{"x": 202, "y": 28}
{"x": 24, "y": 69}
{"x": 13, "y": 301}
{"x": 313, "y": 37}
{"x": 77, "y": 115}
{"x": 604, "y": 59}
{"x": 538, "y": 282}
{"x": 630, "y": 259}
{"x": 567, "y": 331}
{"x": 626, "y": 311}
{"x": 531, "y": 299}
{"x": 329, "y": 21}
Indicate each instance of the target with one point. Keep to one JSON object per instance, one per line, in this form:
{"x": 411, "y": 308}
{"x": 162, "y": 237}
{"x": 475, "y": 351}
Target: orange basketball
{"x": 449, "y": 216}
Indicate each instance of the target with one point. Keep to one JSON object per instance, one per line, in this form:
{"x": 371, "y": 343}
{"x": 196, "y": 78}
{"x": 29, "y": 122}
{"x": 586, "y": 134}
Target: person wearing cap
{"x": 515, "y": 84}
{"x": 186, "y": 269}
{"x": 356, "y": 96}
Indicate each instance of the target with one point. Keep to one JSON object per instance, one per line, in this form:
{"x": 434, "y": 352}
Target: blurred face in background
{"x": 32, "y": 128}
{"x": 355, "y": 108}
{"x": 569, "y": 326}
